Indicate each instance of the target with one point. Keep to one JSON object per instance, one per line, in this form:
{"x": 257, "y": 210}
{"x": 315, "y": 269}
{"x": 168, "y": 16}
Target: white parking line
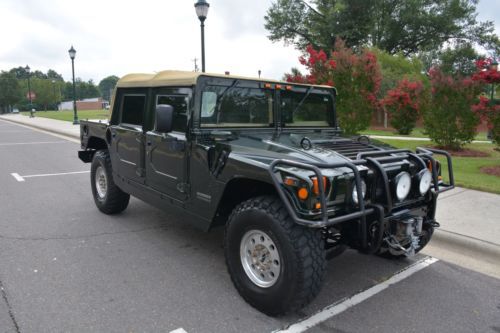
{"x": 179, "y": 330}
{"x": 20, "y": 178}
{"x": 30, "y": 143}
{"x": 345, "y": 304}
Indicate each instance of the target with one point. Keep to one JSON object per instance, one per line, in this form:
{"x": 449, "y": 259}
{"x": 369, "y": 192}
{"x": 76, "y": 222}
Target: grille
{"x": 348, "y": 148}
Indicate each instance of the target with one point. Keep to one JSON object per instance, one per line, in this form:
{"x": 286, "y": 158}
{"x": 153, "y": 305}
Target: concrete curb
{"x": 44, "y": 128}
{"x": 465, "y": 245}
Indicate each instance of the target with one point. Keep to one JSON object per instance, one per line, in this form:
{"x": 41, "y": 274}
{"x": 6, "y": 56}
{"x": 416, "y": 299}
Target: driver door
{"x": 166, "y": 162}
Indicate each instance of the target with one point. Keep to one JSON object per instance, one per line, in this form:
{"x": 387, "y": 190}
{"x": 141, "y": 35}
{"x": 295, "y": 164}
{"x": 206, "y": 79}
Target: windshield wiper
{"x": 221, "y": 96}
{"x": 308, "y": 91}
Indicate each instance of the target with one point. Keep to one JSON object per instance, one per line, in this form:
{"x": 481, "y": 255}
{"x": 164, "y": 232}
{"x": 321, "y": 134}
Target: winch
{"x": 404, "y": 238}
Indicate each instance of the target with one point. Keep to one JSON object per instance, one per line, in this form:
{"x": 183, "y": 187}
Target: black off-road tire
{"x": 114, "y": 199}
{"x": 301, "y": 251}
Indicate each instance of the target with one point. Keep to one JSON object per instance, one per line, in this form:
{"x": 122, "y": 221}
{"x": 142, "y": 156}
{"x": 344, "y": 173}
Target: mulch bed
{"x": 465, "y": 152}
{"x": 491, "y": 170}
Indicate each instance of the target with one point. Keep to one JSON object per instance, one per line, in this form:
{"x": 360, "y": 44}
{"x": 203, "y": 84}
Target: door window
{"x": 180, "y": 105}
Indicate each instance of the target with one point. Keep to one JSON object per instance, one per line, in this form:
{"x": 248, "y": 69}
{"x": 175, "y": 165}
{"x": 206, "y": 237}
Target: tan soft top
{"x": 176, "y": 78}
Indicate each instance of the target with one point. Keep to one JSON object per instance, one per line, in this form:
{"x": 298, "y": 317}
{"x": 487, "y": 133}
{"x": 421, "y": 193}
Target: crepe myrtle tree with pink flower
{"x": 356, "y": 76}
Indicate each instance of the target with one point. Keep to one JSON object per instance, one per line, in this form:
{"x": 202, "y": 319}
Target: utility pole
{"x": 196, "y": 69}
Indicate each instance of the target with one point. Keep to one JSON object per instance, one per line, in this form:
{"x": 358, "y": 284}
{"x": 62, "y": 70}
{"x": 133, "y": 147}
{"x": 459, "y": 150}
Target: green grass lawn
{"x": 417, "y": 132}
{"x": 68, "y": 115}
{"x": 466, "y": 169}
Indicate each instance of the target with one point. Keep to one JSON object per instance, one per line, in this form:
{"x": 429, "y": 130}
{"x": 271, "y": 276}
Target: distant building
{"x": 96, "y": 103}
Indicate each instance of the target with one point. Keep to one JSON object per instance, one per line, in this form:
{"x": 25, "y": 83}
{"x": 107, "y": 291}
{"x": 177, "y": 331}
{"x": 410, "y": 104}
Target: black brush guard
{"x": 375, "y": 160}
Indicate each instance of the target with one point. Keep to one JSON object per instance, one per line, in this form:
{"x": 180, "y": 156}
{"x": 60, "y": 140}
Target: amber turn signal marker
{"x": 302, "y": 193}
{"x": 290, "y": 181}
{"x": 278, "y": 86}
{"x": 316, "y": 185}
{"x": 317, "y": 206}
{"x": 288, "y": 87}
{"x": 267, "y": 85}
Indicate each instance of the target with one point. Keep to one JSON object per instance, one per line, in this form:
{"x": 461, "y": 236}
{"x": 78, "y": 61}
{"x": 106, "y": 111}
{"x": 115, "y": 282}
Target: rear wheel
{"x": 108, "y": 197}
{"x": 276, "y": 265}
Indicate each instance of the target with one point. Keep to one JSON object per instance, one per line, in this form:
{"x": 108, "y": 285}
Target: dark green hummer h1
{"x": 266, "y": 160}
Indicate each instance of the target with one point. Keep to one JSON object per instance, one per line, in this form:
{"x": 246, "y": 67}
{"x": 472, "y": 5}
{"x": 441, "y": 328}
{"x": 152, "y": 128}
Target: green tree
{"x": 10, "y": 90}
{"x": 406, "y": 26}
{"x": 460, "y": 60}
{"x": 53, "y": 75}
{"x": 83, "y": 90}
{"x": 107, "y": 85}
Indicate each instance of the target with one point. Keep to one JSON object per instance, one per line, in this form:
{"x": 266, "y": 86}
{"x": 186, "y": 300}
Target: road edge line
{"x": 346, "y": 303}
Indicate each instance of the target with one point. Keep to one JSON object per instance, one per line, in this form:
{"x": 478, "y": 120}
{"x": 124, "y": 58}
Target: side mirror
{"x": 164, "y": 118}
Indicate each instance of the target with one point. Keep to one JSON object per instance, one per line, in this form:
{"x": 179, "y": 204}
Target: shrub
{"x": 450, "y": 121}
{"x": 356, "y": 76}
{"x": 490, "y": 113}
{"x": 403, "y": 104}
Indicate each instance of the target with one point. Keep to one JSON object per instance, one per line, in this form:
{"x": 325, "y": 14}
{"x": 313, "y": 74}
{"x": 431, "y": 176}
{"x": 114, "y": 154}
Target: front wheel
{"x": 108, "y": 197}
{"x": 276, "y": 265}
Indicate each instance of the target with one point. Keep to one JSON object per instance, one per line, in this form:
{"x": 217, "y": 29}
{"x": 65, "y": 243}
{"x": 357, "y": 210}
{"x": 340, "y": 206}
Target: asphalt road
{"x": 65, "y": 267}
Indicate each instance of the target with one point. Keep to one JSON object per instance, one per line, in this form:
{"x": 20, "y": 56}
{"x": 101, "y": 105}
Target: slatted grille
{"x": 348, "y": 148}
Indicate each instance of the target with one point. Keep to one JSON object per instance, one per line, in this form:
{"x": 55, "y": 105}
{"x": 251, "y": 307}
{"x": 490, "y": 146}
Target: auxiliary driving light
{"x": 403, "y": 185}
{"x": 425, "y": 178}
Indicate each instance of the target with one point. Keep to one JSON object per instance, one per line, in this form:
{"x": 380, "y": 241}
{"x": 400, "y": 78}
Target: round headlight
{"x": 403, "y": 185}
{"x": 355, "y": 191}
{"x": 425, "y": 177}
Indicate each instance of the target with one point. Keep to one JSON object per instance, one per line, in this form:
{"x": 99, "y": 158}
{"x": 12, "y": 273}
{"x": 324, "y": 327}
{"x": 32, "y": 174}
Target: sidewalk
{"x": 470, "y": 220}
{"x": 60, "y": 127}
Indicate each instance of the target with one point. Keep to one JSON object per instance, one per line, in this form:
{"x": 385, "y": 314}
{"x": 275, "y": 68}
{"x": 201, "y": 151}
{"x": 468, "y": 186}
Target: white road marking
{"x": 346, "y": 303}
{"x": 22, "y": 178}
{"x": 179, "y": 330}
{"x": 30, "y": 143}
{"x": 18, "y": 178}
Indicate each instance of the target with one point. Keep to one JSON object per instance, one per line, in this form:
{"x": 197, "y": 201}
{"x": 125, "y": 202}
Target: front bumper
{"x": 374, "y": 160}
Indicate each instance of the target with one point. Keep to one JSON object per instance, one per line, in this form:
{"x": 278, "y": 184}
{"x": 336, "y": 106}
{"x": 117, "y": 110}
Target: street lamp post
{"x": 72, "y": 53}
{"x": 201, "y": 7}
{"x": 54, "y": 91}
{"x": 27, "y": 68}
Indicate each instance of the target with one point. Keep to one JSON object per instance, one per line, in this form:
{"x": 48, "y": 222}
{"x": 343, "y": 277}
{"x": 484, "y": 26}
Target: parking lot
{"x": 66, "y": 267}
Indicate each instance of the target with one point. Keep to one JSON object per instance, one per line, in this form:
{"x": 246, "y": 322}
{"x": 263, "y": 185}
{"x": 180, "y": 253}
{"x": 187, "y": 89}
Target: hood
{"x": 302, "y": 147}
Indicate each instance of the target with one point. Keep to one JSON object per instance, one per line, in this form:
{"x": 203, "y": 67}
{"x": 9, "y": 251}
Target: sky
{"x": 115, "y": 37}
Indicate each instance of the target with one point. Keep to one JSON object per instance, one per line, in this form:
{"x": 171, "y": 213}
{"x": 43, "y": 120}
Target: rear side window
{"x": 133, "y": 109}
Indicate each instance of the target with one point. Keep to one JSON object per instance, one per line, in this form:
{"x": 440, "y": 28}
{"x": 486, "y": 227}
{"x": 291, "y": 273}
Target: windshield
{"x": 241, "y": 103}
{"x": 311, "y": 108}
{"x": 233, "y": 106}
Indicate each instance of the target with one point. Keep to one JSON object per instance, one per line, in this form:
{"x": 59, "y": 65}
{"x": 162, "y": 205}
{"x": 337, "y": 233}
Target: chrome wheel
{"x": 260, "y": 258}
{"x": 101, "y": 182}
